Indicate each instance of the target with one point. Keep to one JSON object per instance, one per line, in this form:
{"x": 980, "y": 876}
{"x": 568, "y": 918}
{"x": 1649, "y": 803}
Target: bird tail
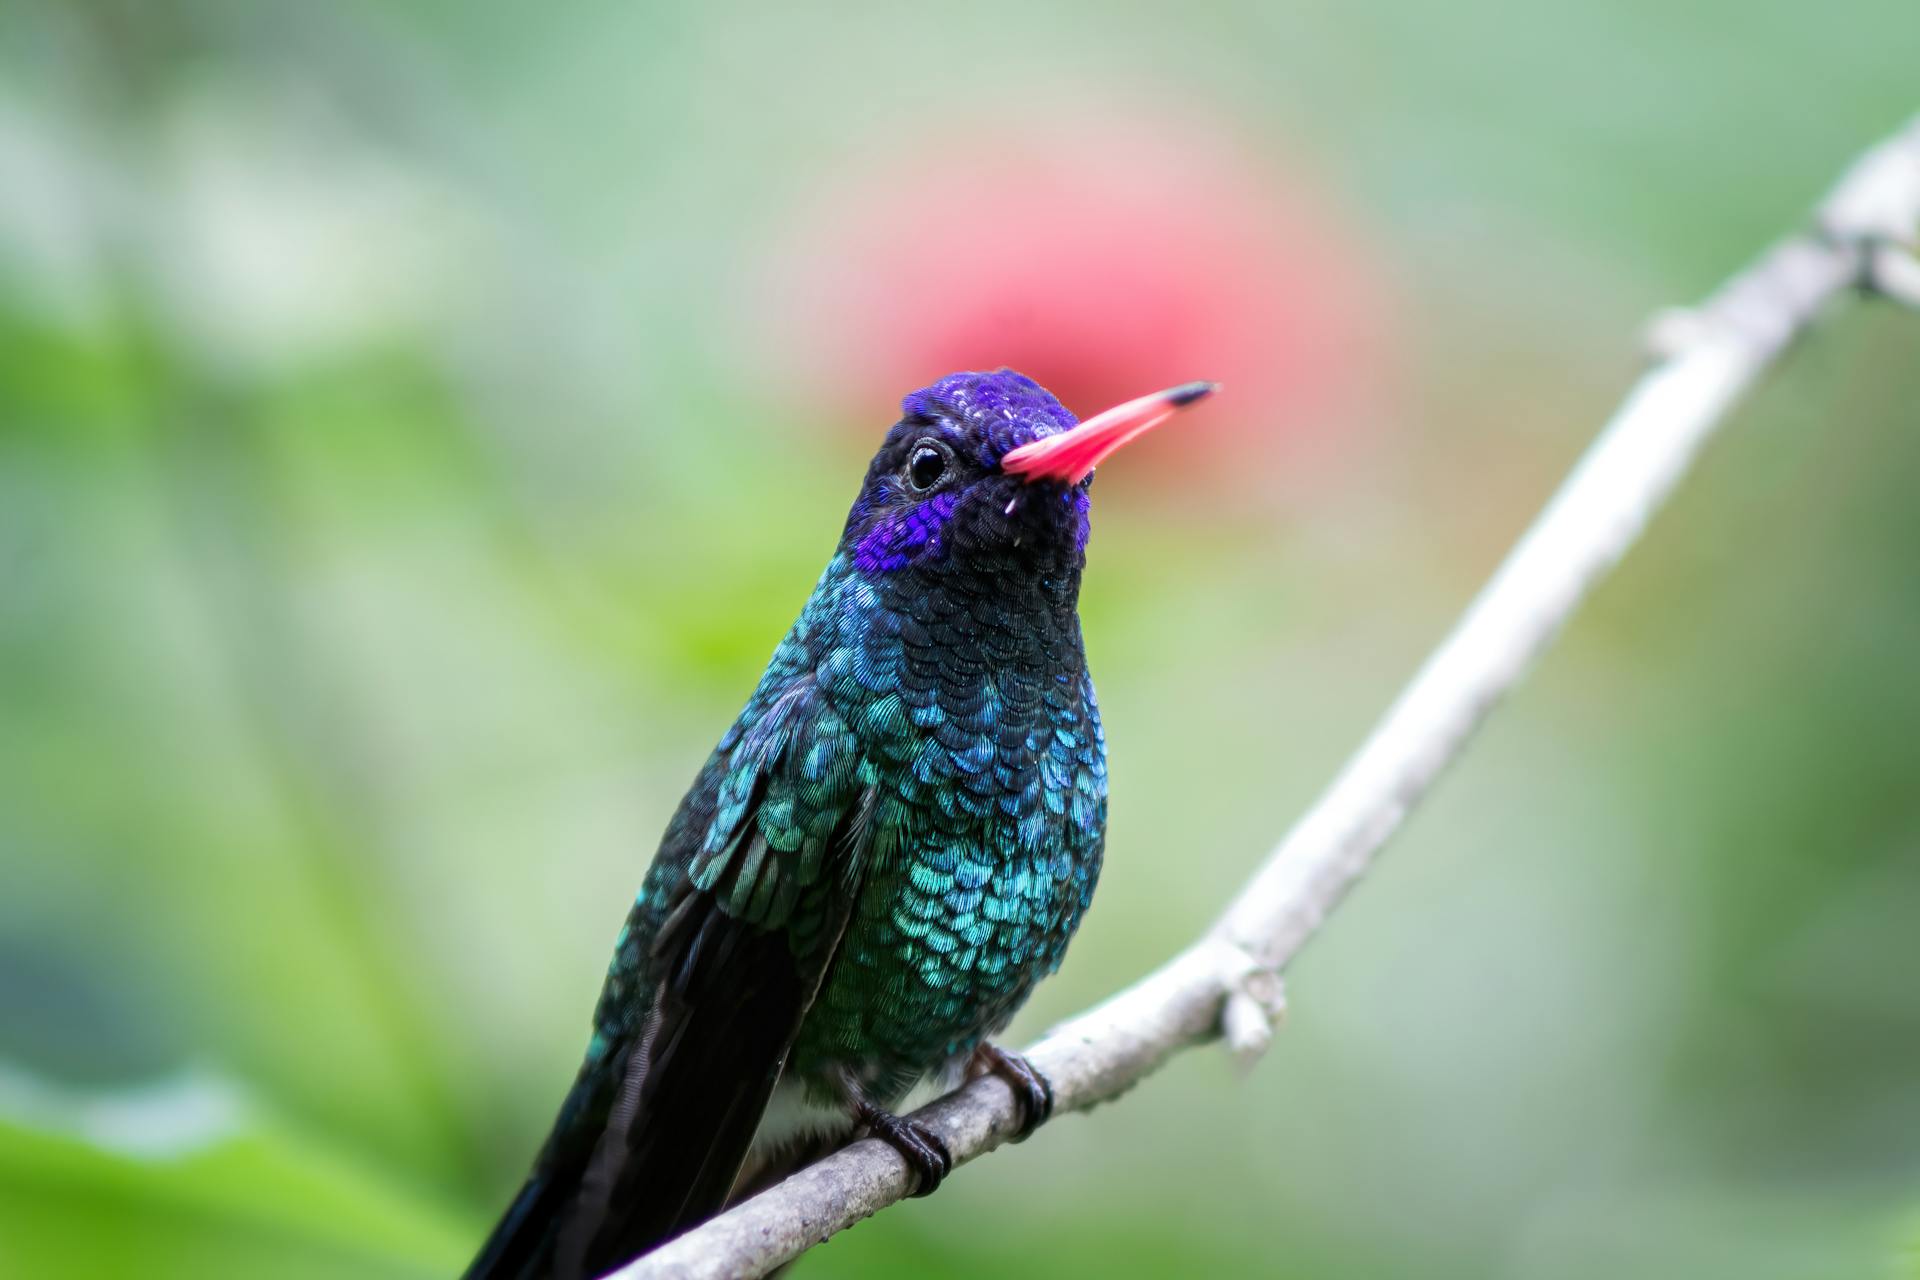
{"x": 651, "y": 1139}
{"x": 524, "y": 1243}
{"x": 585, "y": 1211}
{"x": 521, "y": 1246}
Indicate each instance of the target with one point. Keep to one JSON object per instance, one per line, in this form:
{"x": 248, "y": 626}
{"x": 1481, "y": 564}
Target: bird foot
{"x": 1031, "y": 1090}
{"x": 923, "y": 1149}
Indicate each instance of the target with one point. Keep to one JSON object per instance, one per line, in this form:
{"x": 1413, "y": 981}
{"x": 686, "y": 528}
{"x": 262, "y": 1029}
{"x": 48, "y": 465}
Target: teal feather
{"x": 888, "y": 848}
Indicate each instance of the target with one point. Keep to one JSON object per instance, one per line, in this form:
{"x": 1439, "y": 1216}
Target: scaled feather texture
{"x": 886, "y": 851}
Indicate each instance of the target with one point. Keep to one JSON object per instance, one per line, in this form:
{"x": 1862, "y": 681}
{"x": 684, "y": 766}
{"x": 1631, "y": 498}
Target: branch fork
{"x": 1255, "y": 1006}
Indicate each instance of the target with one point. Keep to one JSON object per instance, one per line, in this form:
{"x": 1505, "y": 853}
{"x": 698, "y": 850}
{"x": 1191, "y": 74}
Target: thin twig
{"x": 1228, "y": 983}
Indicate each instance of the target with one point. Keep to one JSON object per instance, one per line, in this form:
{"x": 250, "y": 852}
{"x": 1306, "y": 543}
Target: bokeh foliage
{"x": 393, "y": 507}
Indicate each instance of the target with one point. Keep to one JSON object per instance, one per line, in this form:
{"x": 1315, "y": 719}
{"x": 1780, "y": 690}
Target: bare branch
{"x": 1228, "y": 983}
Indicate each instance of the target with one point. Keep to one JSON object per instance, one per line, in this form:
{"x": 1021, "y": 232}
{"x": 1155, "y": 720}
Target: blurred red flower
{"x": 1105, "y": 259}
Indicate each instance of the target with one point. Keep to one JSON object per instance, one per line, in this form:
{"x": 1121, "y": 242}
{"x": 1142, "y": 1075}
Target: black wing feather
{"x": 693, "y": 1091}
{"x": 652, "y": 1143}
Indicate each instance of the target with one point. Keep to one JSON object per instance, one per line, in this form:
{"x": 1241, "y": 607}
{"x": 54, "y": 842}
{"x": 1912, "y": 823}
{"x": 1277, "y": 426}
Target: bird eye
{"x": 927, "y": 465}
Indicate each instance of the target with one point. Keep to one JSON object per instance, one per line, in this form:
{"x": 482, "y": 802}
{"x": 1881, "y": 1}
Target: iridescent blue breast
{"x": 983, "y": 737}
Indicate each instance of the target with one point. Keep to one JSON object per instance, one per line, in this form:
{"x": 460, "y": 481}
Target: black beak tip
{"x": 1188, "y": 392}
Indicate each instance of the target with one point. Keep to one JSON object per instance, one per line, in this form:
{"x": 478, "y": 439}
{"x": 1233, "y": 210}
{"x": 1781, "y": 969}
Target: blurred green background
{"x": 418, "y": 422}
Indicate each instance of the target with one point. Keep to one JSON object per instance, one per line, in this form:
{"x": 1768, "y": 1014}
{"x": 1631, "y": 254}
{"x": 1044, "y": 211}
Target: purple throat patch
{"x": 899, "y": 538}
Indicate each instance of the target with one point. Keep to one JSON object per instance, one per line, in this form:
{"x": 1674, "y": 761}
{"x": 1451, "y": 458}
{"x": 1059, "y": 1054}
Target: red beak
{"x": 1070, "y": 456}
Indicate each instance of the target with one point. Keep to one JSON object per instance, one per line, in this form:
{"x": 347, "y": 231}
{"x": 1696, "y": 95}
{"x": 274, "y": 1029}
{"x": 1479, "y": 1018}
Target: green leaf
{"x": 185, "y": 1179}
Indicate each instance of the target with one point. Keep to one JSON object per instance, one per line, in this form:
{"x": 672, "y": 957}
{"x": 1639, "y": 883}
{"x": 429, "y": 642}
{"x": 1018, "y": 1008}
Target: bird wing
{"x": 733, "y": 934}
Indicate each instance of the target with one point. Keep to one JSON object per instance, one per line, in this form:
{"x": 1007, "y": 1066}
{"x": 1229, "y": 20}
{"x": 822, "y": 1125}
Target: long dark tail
{"x": 522, "y": 1244}
{"x": 650, "y": 1142}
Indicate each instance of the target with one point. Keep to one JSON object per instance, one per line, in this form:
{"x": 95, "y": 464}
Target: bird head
{"x": 987, "y": 471}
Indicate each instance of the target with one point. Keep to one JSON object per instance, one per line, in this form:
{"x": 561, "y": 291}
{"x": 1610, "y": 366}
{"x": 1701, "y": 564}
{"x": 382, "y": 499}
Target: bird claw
{"x": 924, "y": 1151}
{"x": 1031, "y": 1090}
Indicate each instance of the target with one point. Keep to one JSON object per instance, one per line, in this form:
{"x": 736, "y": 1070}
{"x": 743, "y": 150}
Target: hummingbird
{"x": 887, "y": 850}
